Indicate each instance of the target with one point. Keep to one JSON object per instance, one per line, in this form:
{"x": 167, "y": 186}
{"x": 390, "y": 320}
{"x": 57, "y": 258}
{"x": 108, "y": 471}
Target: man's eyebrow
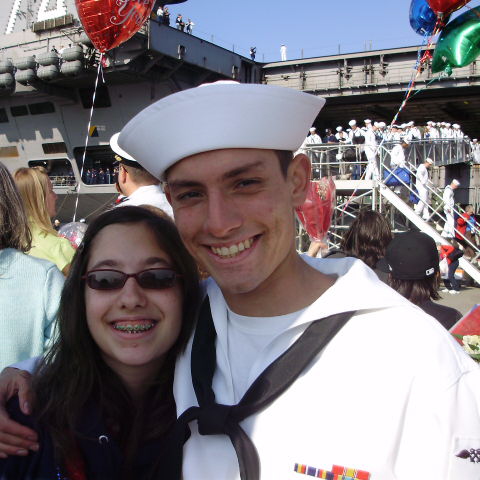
{"x": 230, "y": 174}
{"x": 243, "y": 169}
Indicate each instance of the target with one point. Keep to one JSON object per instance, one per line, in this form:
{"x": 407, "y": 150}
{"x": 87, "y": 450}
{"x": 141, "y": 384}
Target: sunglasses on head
{"x": 152, "y": 278}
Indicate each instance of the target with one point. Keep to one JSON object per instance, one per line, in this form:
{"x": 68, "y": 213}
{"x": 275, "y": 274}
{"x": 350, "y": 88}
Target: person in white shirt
{"x": 397, "y": 155}
{"x": 448, "y": 208}
{"x": 283, "y": 53}
{"x": 356, "y": 137}
{"x": 371, "y": 148}
{"x": 475, "y": 148}
{"x": 137, "y": 185}
{"x": 234, "y": 189}
{"x": 421, "y": 182}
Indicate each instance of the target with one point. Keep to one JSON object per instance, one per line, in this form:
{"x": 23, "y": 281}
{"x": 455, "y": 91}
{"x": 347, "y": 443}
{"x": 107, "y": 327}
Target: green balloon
{"x": 459, "y": 42}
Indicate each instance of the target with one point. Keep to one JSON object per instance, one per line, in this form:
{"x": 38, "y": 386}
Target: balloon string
{"x": 99, "y": 73}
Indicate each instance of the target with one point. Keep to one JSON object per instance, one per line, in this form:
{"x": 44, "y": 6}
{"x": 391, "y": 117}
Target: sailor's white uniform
{"x": 371, "y": 153}
{"x": 148, "y": 195}
{"x": 448, "y": 198}
{"x": 392, "y": 394}
{"x": 421, "y": 208}
{"x": 397, "y": 157}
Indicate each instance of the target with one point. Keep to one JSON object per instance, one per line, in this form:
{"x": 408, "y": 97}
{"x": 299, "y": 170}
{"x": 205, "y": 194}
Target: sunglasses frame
{"x": 126, "y": 276}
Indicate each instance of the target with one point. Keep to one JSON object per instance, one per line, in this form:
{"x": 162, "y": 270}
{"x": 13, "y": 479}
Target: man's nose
{"x": 223, "y": 216}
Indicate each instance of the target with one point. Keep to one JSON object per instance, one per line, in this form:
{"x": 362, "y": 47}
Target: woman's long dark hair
{"x": 73, "y": 373}
{"x": 368, "y": 237}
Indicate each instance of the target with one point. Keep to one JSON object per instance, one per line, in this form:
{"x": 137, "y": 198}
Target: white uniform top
{"x": 397, "y": 157}
{"x": 313, "y": 139}
{"x": 149, "y": 195}
{"x": 433, "y": 133}
{"x": 392, "y": 394}
{"x": 370, "y": 139}
{"x": 422, "y": 176}
{"x": 341, "y": 137}
{"x": 448, "y": 198}
{"x": 355, "y": 133}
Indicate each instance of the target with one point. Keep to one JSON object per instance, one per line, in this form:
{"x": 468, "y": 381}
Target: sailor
{"x": 371, "y": 148}
{"x": 135, "y": 184}
{"x": 448, "y": 198}
{"x": 313, "y": 139}
{"x": 421, "y": 208}
{"x": 458, "y": 135}
{"x": 234, "y": 188}
{"x": 356, "y": 137}
{"x": 475, "y": 149}
{"x": 341, "y": 136}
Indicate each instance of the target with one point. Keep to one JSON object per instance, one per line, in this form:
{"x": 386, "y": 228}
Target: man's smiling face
{"x": 234, "y": 210}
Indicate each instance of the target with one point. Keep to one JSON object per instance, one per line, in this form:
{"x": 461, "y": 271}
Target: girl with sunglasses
{"x": 103, "y": 394}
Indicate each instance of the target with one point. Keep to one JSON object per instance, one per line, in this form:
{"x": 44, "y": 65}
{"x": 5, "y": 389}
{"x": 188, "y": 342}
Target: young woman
{"x": 30, "y": 288}
{"x": 104, "y": 401}
{"x": 40, "y": 200}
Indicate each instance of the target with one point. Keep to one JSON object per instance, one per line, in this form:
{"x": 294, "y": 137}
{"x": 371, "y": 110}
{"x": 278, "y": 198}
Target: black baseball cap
{"x": 410, "y": 256}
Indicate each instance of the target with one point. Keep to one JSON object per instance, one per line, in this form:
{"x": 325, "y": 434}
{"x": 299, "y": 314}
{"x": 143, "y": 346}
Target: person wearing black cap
{"x": 411, "y": 261}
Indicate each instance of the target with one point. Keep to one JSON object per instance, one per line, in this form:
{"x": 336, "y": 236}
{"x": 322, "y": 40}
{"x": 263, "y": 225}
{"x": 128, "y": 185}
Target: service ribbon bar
{"x": 337, "y": 472}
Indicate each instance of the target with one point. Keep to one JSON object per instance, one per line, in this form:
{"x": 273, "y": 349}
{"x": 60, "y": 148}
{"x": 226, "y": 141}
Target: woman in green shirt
{"x": 39, "y": 199}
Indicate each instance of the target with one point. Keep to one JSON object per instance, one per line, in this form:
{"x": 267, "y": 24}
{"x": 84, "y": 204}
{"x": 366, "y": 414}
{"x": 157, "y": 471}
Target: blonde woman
{"x": 39, "y": 199}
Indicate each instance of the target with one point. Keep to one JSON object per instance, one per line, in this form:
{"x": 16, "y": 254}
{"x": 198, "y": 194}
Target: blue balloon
{"x": 422, "y": 18}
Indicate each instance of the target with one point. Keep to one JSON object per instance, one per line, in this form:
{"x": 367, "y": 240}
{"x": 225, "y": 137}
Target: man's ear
{"x": 299, "y": 175}
{"x": 166, "y": 190}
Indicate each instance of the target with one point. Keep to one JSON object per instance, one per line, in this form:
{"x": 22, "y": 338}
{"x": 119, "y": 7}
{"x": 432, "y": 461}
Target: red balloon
{"x": 446, "y": 7}
{"x": 316, "y": 213}
{"x": 108, "y": 23}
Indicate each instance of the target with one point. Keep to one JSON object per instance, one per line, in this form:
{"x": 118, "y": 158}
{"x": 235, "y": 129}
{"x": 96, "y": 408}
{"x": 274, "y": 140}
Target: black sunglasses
{"x": 152, "y": 278}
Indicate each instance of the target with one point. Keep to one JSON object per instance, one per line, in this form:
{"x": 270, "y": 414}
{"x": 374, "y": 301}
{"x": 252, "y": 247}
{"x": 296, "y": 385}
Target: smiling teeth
{"x": 233, "y": 250}
{"x": 134, "y": 328}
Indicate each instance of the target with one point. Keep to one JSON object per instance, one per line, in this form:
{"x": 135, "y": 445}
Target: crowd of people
{"x": 163, "y": 16}
{"x": 152, "y": 375}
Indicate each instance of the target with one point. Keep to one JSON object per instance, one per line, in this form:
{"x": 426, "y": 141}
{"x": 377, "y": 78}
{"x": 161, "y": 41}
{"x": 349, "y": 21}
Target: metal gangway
{"x": 354, "y": 192}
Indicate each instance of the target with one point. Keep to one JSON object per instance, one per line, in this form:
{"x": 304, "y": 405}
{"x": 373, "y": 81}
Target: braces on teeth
{"x": 133, "y": 328}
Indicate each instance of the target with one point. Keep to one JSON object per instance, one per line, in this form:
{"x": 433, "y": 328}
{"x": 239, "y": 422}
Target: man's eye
{"x": 248, "y": 182}
{"x": 187, "y": 195}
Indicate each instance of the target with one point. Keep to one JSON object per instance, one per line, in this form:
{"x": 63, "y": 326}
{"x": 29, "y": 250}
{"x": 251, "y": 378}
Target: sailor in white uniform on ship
{"x": 371, "y": 148}
{"x": 137, "y": 186}
{"x": 234, "y": 188}
{"x": 421, "y": 183}
{"x": 448, "y": 198}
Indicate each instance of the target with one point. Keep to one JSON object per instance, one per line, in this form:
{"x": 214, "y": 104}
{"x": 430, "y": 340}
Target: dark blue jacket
{"x": 101, "y": 453}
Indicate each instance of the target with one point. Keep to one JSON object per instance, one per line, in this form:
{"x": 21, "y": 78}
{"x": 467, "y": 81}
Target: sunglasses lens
{"x": 156, "y": 278}
{"x": 105, "y": 280}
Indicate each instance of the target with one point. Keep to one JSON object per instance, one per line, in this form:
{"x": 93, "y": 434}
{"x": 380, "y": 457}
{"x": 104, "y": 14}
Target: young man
{"x": 392, "y": 396}
{"x": 448, "y": 198}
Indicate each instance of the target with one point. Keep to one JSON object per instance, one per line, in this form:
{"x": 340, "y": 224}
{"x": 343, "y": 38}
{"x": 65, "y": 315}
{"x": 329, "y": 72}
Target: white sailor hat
{"x": 367, "y": 120}
{"x": 430, "y": 123}
{"x": 429, "y": 160}
{"x": 223, "y": 114}
{"x": 404, "y": 125}
{"x": 411, "y": 123}
{"x": 119, "y": 151}
{"x": 382, "y": 124}
{"x": 456, "y": 125}
{"x": 339, "y": 129}
{"x": 447, "y": 125}
{"x": 455, "y": 182}
{"x": 313, "y": 129}
{"x": 474, "y": 139}
{"x": 352, "y": 123}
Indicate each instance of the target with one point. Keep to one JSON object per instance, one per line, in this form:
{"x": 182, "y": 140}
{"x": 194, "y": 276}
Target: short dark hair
{"x": 285, "y": 157}
{"x": 368, "y": 237}
{"x": 417, "y": 291}
{"x": 139, "y": 175}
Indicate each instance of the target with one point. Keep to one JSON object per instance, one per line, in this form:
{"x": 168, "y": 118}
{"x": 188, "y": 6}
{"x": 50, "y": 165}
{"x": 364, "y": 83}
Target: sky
{"x": 308, "y": 28}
